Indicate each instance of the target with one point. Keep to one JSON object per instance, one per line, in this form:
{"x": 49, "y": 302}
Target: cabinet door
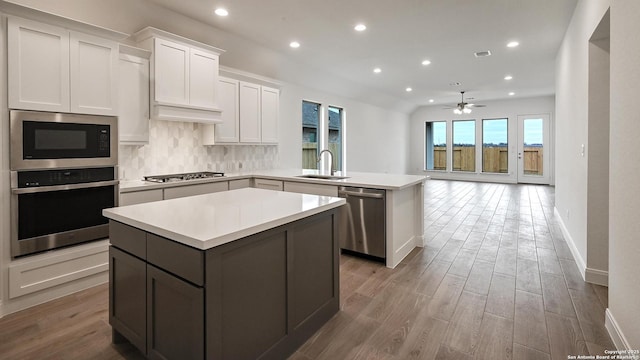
{"x": 269, "y": 111}
{"x": 268, "y": 184}
{"x": 229, "y": 130}
{"x": 314, "y": 189}
{"x": 94, "y": 75}
{"x": 128, "y": 297}
{"x": 175, "y": 317}
{"x": 239, "y": 184}
{"x": 133, "y": 118}
{"x": 171, "y": 72}
{"x": 203, "y": 79}
{"x": 199, "y": 189}
{"x": 38, "y": 61}
{"x": 139, "y": 197}
{"x": 249, "y": 113}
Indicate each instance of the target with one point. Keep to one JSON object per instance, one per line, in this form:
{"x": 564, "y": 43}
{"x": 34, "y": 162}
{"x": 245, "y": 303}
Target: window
{"x": 436, "y": 145}
{"x": 318, "y": 134}
{"x": 335, "y": 135}
{"x": 310, "y": 134}
{"x": 464, "y": 145}
{"x": 495, "y": 146}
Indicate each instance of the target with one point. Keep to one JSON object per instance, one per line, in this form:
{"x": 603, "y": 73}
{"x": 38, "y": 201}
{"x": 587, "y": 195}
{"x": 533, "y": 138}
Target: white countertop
{"x": 360, "y": 179}
{"x": 210, "y": 220}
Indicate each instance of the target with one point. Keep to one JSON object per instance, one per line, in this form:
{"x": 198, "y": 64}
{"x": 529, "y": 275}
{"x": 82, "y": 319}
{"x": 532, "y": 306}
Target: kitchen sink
{"x": 324, "y": 177}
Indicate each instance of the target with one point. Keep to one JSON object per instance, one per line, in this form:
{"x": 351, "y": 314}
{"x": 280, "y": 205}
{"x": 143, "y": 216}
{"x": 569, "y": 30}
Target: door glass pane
{"x": 335, "y": 136}
{"x": 495, "y": 146}
{"x": 533, "y": 146}
{"x": 464, "y": 145}
{"x": 436, "y": 145}
{"x": 310, "y": 135}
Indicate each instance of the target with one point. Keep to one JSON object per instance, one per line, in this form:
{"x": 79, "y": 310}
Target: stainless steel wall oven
{"x": 64, "y": 173}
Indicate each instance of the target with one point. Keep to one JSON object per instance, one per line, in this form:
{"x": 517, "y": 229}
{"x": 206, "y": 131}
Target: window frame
{"x": 323, "y": 135}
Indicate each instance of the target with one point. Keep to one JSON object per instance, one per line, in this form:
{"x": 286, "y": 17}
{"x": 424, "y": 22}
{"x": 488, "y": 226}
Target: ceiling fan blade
{"x": 477, "y": 105}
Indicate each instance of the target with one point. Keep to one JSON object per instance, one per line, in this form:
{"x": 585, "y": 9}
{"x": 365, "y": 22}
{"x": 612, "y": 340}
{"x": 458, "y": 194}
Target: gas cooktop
{"x": 182, "y": 177}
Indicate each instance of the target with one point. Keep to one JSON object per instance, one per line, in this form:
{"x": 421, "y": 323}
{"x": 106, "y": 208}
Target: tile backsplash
{"x": 175, "y": 147}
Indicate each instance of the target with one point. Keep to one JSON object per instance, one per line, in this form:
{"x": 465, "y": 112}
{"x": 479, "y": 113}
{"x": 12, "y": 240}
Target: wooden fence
{"x": 310, "y": 155}
{"x": 495, "y": 159}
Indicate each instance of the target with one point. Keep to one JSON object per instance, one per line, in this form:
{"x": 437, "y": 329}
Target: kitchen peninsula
{"x": 404, "y": 205}
{"x": 259, "y": 266}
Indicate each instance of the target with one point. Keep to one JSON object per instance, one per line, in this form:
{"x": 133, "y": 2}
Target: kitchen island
{"x": 240, "y": 274}
{"x": 404, "y": 205}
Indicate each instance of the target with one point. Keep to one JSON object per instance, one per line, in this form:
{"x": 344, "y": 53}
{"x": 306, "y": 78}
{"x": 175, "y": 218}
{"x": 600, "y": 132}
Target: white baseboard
{"x": 582, "y": 266}
{"x": 615, "y": 332}
{"x": 598, "y": 277}
{"x": 590, "y": 275}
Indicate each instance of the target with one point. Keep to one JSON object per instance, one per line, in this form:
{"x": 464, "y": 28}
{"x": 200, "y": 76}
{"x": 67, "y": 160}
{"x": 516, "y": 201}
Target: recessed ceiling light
{"x": 511, "y": 93}
{"x": 360, "y": 27}
{"x": 513, "y": 44}
{"x": 431, "y": 100}
{"x": 294, "y": 44}
{"x": 508, "y": 77}
{"x": 221, "y": 12}
{"x": 377, "y": 70}
{"x": 426, "y": 62}
{"x": 409, "y": 89}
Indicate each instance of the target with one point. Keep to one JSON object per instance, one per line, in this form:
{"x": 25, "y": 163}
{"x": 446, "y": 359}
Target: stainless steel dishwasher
{"x": 362, "y": 229}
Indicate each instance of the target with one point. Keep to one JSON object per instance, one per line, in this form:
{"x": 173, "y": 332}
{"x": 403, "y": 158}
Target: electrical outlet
{"x": 568, "y": 214}
{"x": 582, "y": 150}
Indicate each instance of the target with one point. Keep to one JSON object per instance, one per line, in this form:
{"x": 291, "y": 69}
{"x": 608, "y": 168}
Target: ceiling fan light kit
{"x": 463, "y": 107}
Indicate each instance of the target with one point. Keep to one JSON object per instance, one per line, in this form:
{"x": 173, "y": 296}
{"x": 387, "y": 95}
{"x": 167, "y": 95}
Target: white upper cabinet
{"x": 184, "y": 77}
{"x": 269, "y": 113}
{"x": 250, "y": 128}
{"x": 203, "y": 79}
{"x": 228, "y": 131}
{"x": 94, "y": 74}
{"x": 54, "y": 69}
{"x": 171, "y": 75}
{"x": 133, "y": 113}
{"x": 38, "y": 59}
{"x": 250, "y": 114}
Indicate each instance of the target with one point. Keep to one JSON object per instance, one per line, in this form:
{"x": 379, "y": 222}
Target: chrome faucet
{"x": 330, "y": 153}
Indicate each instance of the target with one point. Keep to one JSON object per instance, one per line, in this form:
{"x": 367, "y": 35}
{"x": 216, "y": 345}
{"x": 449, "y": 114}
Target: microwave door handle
{"x": 40, "y": 189}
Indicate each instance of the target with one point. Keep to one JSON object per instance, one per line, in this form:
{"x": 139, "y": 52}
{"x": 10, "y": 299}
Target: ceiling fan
{"x": 463, "y": 107}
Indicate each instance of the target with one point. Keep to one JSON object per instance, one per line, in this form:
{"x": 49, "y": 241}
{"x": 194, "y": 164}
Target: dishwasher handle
{"x": 359, "y": 194}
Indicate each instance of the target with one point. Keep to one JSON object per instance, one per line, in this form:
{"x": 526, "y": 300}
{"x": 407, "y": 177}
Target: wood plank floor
{"x": 495, "y": 280}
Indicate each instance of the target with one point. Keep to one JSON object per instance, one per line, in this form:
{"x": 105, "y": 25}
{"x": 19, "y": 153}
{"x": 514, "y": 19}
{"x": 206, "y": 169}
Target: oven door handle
{"x": 40, "y": 189}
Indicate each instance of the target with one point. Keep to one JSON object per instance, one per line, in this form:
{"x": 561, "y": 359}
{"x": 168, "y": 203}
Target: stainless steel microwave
{"x": 43, "y": 140}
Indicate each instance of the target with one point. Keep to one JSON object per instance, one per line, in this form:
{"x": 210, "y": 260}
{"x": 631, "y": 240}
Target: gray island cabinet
{"x": 254, "y": 282}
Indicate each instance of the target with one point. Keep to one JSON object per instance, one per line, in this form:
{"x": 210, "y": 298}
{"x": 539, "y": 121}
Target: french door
{"x": 534, "y": 151}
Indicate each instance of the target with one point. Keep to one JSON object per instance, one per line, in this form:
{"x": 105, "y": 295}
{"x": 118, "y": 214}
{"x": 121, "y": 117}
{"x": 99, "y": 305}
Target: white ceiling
{"x": 399, "y": 35}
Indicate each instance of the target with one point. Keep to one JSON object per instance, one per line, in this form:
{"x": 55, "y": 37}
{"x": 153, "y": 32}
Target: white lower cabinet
{"x": 313, "y": 189}
{"x": 198, "y": 189}
{"x": 239, "y": 184}
{"x": 139, "y": 197}
{"x": 268, "y": 184}
{"x": 144, "y": 196}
